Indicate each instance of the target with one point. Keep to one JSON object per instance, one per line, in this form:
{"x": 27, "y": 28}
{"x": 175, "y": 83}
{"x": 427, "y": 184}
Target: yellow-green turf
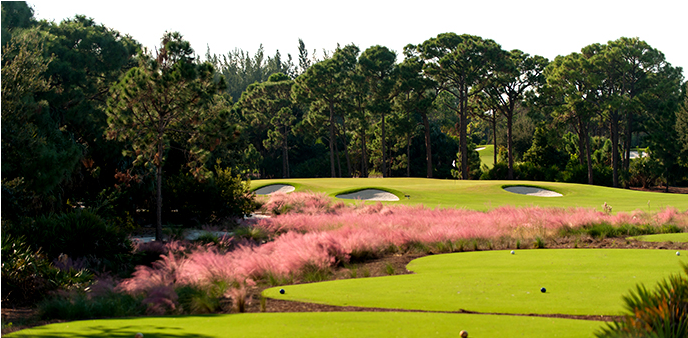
{"x": 578, "y": 282}
{"x": 323, "y": 324}
{"x": 487, "y": 155}
{"x": 484, "y": 195}
{"x": 677, "y": 238}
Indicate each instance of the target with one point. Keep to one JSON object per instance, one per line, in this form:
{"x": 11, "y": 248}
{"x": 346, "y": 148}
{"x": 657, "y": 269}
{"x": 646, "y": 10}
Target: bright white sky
{"x": 543, "y": 27}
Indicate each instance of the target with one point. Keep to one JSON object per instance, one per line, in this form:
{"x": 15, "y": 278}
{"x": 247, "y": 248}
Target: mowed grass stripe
{"x": 329, "y": 324}
{"x": 578, "y": 282}
{"x": 484, "y": 195}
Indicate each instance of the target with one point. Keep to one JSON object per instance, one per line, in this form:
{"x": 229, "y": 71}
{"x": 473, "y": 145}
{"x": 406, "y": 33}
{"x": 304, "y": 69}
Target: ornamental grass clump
{"x": 304, "y": 242}
{"x": 662, "y": 312}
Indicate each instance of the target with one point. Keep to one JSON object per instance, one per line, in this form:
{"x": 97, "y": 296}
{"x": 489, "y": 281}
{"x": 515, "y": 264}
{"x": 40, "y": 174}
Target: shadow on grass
{"x": 83, "y": 331}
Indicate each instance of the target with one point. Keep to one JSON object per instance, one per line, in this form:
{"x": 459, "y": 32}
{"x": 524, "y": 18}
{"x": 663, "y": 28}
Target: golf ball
{"x": 512, "y": 252}
{"x": 138, "y": 335}
{"x": 463, "y": 333}
{"x": 282, "y": 291}
{"x": 543, "y": 290}
{"x": 678, "y": 253}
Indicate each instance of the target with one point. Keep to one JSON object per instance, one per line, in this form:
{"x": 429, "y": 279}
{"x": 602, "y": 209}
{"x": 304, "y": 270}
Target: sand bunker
{"x": 273, "y": 188}
{"x": 370, "y": 195}
{"x": 479, "y": 149}
{"x": 532, "y": 191}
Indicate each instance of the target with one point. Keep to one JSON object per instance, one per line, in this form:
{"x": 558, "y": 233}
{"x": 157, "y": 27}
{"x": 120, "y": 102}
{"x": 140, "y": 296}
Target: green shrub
{"x": 200, "y": 300}
{"x": 80, "y": 233}
{"x": 644, "y": 172}
{"x": 223, "y": 196}
{"x": 79, "y": 304}
{"x": 312, "y": 273}
{"x": 661, "y": 313}
{"x": 500, "y": 171}
{"x": 27, "y": 275}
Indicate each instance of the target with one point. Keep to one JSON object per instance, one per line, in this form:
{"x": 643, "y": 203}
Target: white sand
{"x": 532, "y": 191}
{"x": 273, "y": 188}
{"x": 370, "y": 195}
{"x": 479, "y": 149}
{"x": 635, "y": 154}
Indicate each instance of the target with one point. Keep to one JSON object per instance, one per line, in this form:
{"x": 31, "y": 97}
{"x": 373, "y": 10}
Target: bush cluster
{"x": 27, "y": 274}
{"x": 212, "y": 200}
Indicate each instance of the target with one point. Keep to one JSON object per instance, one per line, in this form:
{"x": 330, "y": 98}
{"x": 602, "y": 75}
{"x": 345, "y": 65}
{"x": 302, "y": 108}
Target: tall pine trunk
{"x": 384, "y": 154}
{"x": 428, "y": 150}
{"x": 510, "y": 144}
{"x": 332, "y": 172}
{"x": 158, "y": 179}
{"x": 364, "y": 162}
{"x": 494, "y": 138}
{"x": 463, "y": 112}
{"x": 615, "y": 147}
{"x": 629, "y": 136}
{"x": 285, "y": 155}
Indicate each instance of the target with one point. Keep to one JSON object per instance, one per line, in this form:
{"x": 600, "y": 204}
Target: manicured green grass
{"x": 328, "y": 324}
{"x": 487, "y": 155}
{"x": 578, "y": 282}
{"x": 678, "y": 238}
{"x": 483, "y": 195}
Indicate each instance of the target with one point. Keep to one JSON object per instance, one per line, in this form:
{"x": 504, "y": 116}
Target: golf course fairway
{"x": 320, "y": 324}
{"x": 484, "y": 195}
{"x": 577, "y": 282}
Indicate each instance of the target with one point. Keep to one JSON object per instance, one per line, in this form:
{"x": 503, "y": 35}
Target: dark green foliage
{"x": 78, "y": 234}
{"x": 605, "y": 230}
{"x": 644, "y": 172}
{"x": 546, "y": 149}
{"x": 27, "y": 274}
{"x": 200, "y": 300}
{"x": 15, "y": 15}
{"x": 79, "y": 305}
{"x": 213, "y": 200}
{"x": 660, "y": 313}
{"x": 499, "y": 171}
{"x": 33, "y": 146}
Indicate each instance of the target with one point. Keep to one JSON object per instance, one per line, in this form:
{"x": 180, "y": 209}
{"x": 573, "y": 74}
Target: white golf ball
{"x": 512, "y": 252}
{"x": 678, "y": 253}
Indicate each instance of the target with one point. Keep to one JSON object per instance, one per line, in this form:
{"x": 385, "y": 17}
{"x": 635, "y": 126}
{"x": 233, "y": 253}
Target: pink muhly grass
{"x": 162, "y": 273}
{"x": 322, "y": 236}
{"x": 238, "y": 296}
{"x": 300, "y": 202}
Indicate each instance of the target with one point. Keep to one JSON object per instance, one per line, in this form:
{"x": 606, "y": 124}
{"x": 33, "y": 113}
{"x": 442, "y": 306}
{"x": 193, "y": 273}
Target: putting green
{"x": 578, "y": 282}
{"x": 327, "y": 324}
{"x": 678, "y": 238}
{"x": 483, "y": 195}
